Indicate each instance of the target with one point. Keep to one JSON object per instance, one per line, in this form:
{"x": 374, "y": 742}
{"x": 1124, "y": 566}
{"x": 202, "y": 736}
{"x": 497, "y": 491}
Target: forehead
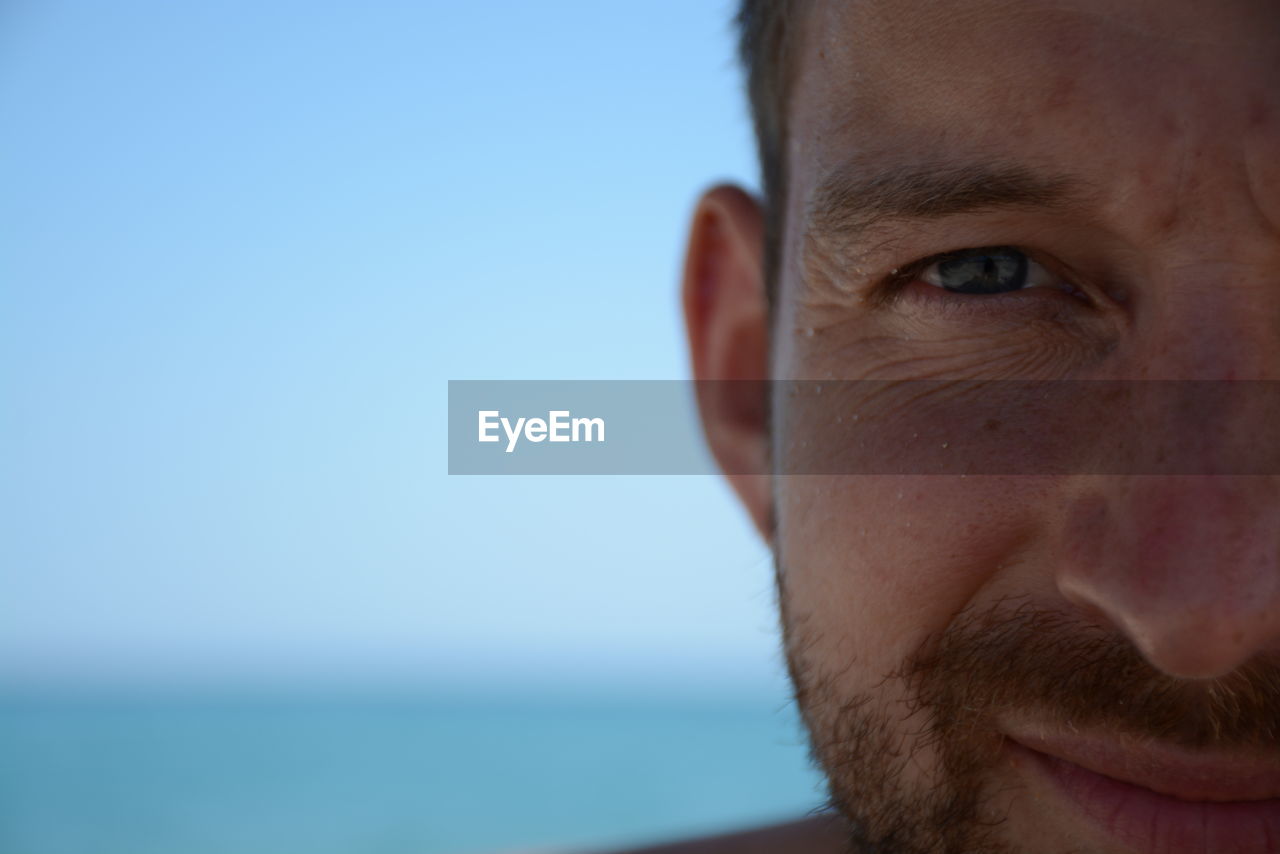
{"x": 1106, "y": 87}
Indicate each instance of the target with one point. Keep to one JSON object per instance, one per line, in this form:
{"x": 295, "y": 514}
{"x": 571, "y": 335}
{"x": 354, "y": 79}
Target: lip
{"x": 1157, "y": 799}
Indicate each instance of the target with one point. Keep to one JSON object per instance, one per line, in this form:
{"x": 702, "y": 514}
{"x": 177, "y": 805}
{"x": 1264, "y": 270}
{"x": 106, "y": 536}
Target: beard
{"x": 917, "y": 774}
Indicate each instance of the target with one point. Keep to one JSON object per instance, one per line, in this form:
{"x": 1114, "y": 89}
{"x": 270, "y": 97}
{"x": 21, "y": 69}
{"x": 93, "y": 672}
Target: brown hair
{"x": 766, "y": 36}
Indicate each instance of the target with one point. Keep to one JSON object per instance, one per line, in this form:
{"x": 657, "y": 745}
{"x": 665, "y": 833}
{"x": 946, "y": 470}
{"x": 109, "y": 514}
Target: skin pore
{"x": 1047, "y": 191}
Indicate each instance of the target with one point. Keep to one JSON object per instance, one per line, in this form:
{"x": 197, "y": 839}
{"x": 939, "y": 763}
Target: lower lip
{"x": 1151, "y": 823}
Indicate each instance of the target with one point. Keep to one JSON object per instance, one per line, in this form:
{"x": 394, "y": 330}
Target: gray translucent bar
{"x": 650, "y": 427}
{"x": 915, "y": 427}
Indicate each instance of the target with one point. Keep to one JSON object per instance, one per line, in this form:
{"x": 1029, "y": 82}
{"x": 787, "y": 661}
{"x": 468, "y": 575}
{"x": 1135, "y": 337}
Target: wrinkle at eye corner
{"x": 840, "y": 270}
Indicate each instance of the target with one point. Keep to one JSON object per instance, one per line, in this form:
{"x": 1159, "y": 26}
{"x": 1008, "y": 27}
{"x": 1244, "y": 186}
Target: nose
{"x": 1188, "y": 567}
{"x": 1182, "y": 552}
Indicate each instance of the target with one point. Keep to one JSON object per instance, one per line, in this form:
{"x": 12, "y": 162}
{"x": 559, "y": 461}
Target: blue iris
{"x": 983, "y": 271}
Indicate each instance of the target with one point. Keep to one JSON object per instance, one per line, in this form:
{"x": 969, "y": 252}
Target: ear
{"x": 727, "y": 321}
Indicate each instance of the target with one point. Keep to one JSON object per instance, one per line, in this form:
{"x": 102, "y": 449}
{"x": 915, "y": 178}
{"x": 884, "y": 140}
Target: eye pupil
{"x": 988, "y": 271}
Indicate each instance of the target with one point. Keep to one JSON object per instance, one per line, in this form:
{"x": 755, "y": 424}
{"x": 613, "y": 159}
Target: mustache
{"x": 1081, "y": 674}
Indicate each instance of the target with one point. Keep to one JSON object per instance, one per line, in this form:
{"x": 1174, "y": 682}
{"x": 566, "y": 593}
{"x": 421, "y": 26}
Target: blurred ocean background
{"x": 243, "y": 608}
{"x": 386, "y": 773}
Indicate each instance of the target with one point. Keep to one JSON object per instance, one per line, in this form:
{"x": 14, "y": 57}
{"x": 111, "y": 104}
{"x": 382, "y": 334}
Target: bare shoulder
{"x": 820, "y": 835}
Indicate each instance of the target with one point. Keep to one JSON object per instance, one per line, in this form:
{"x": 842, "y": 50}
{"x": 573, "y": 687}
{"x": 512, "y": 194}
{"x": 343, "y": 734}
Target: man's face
{"x": 1047, "y": 662}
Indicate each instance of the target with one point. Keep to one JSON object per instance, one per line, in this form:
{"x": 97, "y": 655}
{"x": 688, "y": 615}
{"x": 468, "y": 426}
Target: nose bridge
{"x": 1210, "y": 318}
{"x": 1218, "y": 427}
{"x": 1208, "y": 331}
{"x": 1187, "y": 566}
{"x": 1182, "y": 552}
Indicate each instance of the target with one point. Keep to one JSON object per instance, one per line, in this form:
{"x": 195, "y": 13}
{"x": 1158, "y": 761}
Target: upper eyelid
{"x": 975, "y": 250}
{"x": 916, "y": 267}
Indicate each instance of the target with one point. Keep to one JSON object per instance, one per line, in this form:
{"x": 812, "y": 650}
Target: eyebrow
{"x": 852, "y": 201}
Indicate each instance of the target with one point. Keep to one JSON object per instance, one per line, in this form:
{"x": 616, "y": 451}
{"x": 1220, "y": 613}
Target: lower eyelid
{"x": 1040, "y": 299}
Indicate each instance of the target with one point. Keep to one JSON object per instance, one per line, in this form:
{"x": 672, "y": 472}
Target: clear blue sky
{"x": 243, "y": 247}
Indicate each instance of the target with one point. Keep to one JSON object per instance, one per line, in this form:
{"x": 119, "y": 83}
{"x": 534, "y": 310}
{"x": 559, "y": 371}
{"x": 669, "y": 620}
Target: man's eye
{"x": 995, "y": 270}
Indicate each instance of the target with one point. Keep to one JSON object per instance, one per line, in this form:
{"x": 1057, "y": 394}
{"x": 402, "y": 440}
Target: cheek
{"x": 873, "y": 567}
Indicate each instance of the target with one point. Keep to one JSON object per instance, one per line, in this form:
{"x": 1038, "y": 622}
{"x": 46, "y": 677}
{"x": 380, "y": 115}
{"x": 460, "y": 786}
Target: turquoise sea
{"x": 386, "y": 772}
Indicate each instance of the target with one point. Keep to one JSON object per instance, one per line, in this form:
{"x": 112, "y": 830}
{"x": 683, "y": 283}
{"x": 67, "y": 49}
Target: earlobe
{"x": 727, "y": 321}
